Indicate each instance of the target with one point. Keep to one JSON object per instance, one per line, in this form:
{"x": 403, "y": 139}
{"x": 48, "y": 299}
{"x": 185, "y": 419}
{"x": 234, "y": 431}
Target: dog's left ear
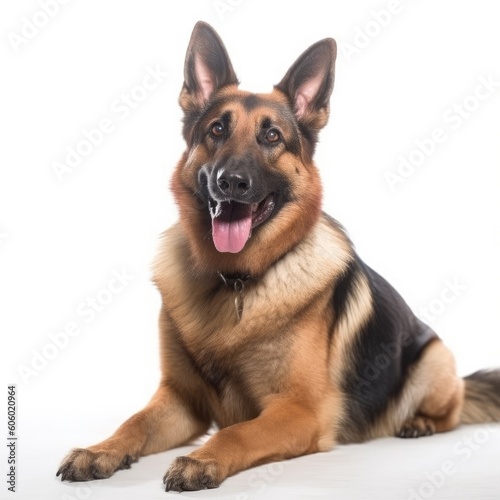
{"x": 207, "y": 68}
{"x": 309, "y": 83}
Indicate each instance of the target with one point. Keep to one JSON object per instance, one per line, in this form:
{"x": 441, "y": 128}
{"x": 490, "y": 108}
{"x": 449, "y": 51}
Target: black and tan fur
{"x": 274, "y": 343}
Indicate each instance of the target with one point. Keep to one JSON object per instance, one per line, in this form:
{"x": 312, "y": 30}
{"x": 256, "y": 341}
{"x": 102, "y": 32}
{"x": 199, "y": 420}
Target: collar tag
{"x": 237, "y": 283}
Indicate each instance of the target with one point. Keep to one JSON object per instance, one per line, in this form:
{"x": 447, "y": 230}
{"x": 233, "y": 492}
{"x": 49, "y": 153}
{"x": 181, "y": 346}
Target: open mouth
{"x": 232, "y": 221}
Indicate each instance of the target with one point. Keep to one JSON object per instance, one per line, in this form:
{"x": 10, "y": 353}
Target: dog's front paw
{"x": 190, "y": 474}
{"x": 416, "y": 427}
{"x": 85, "y": 465}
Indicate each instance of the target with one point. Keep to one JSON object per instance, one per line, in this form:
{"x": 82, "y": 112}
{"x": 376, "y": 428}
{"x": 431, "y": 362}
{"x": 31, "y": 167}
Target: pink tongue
{"x": 231, "y": 228}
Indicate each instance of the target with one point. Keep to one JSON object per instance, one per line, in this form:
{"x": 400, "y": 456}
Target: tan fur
{"x": 163, "y": 424}
{"x": 283, "y": 291}
{"x": 433, "y": 391}
{"x": 268, "y": 361}
{"x": 287, "y": 386}
{"x": 358, "y": 312}
{"x": 296, "y": 219}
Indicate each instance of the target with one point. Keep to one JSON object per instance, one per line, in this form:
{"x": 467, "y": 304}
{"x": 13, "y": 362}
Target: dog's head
{"x": 246, "y": 187}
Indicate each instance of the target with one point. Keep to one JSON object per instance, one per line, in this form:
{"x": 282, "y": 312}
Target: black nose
{"x": 233, "y": 183}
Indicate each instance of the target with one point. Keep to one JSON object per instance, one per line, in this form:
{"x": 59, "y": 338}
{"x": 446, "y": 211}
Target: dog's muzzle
{"x": 239, "y": 200}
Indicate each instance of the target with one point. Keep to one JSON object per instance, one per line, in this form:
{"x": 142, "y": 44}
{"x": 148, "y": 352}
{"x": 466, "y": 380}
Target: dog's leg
{"x": 285, "y": 429}
{"x": 168, "y": 420}
{"x": 164, "y": 423}
{"x": 441, "y": 404}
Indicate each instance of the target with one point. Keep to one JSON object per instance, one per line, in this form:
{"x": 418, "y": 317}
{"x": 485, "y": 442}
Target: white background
{"x": 61, "y": 240}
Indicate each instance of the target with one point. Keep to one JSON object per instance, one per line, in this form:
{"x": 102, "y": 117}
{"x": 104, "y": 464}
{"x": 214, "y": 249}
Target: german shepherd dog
{"x": 270, "y": 319}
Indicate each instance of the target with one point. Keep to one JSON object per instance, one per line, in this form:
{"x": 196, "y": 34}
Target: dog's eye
{"x": 272, "y": 135}
{"x": 217, "y": 129}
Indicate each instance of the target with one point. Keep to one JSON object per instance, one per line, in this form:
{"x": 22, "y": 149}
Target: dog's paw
{"x": 416, "y": 427}
{"x": 190, "y": 474}
{"x": 86, "y": 465}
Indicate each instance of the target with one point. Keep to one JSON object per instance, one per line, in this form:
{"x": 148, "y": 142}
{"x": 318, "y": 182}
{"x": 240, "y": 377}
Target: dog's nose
{"x": 233, "y": 182}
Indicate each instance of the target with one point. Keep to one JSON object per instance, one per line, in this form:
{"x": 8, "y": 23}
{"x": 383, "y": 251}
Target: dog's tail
{"x": 482, "y": 397}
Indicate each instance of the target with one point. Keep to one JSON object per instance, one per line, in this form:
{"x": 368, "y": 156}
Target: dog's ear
{"x": 309, "y": 83}
{"x": 207, "y": 68}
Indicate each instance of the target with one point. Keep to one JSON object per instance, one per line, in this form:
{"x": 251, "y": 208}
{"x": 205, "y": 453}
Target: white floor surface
{"x": 463, "y": 464}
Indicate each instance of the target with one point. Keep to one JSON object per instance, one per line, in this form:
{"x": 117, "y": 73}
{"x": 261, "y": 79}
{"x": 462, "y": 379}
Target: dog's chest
{"x": 241, "y": 376}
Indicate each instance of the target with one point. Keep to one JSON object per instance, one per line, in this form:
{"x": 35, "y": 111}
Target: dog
{"x": 269, "y": 318}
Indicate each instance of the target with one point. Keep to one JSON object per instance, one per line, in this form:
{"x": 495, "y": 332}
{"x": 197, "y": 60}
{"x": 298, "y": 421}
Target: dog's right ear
{"x": 206, "y": 70}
